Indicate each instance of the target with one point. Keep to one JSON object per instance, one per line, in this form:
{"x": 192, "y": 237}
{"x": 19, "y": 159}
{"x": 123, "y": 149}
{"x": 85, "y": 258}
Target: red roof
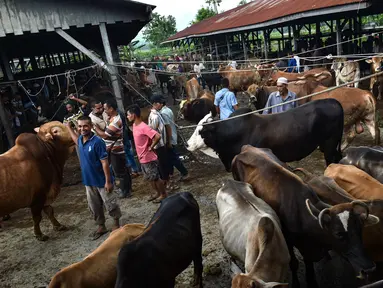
{"x": 259, "y": 11}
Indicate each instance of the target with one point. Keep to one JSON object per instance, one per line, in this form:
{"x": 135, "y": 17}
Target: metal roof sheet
{"x": 260, "y": 11}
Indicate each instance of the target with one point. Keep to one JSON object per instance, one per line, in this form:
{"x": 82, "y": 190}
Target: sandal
{"x": 97, "y": 234}
{"x": 153, "y": 197}
{"x": 159, "y": 200}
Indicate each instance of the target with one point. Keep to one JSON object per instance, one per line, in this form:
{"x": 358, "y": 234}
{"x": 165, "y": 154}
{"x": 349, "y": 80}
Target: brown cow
{"x": 192, "y": 89}
{"x": 355, "y": 181}
{"x": 31, "y": 173}
{"x": 327, "y": 81}
{"x": 195, "y": 110}
{"x": 239, "y": 80}
{"x": 98, "y": 269}
{"x": 376, "y": 65}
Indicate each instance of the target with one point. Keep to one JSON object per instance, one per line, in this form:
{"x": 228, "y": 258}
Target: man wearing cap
{"x": 281, "y": 96}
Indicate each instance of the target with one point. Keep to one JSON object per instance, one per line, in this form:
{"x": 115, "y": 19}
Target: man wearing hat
{"x": 281, "y": 96}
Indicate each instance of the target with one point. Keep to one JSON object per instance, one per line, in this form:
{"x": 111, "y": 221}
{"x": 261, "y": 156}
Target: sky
{"x": 184, "y": 10}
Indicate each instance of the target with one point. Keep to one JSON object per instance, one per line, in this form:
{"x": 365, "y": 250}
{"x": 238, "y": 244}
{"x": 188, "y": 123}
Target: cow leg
{"x": 294, "y": 266}
{"x": 373, "y": 127}
{"x": 310, "y": 274}
{"x": 56, "y": 225}
{"x": 380, "y": 91}
{"x": 332, "y": 150}
{"x": 36, "y": 215}
{"x": 197, "y": 260}
{"x": 350, "y": 135}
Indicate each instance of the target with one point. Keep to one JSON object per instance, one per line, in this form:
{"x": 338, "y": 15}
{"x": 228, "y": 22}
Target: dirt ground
{"x": 27, "y": 263}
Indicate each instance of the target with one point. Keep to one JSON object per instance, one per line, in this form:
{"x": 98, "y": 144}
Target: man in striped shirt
{"x": 113, "y": 137}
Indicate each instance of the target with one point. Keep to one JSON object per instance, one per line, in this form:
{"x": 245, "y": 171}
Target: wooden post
{"x": 228, "y": 47}
{"x": 216, "y": 50}
{"x": 265, "y": 46}
{"x": 6, "y": 125}
{"x": 244, "y": 46}
{"x": 116, "y": 84}
{"x": 338, "y": 37}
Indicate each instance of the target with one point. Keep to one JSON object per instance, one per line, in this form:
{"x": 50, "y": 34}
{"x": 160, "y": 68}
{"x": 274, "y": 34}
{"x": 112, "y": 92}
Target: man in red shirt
{"x": 145, "y": 138}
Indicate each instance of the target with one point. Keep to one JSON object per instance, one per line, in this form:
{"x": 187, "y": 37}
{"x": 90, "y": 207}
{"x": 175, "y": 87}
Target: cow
{"x": 378, "y": 284}
{"x": 196, "y": 109}
{"x": 359, "y": 106}
{"x": 291, "y": 135}
{"x": 251, "y": 232}
{"x": 31, "y": 173}
{"x": 346, "y": 71}
{"x": 213, "y": 80}
{"x": 308, "y": 224}
{"x": 98, "y": 269}
{"x": 192, "y": 89}
{"x": 376, "y": 67}
{"x": 368, "y": 159}
{"x": 355, "y": 181}
{"x": 291, "y": 77}
{"x": 239, "y": 80}
{"x": 171, "y": 241}
{"x": 176, "y": 86}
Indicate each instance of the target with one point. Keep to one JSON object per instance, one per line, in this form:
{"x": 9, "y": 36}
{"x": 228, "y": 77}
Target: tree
{"x": 128, "y": 51}
{"x": 160, "y": 28}
{"x": 242, "y": 2}
{"x": 203, "y": 14}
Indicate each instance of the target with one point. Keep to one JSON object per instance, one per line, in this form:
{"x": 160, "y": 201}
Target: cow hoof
{"x": 42, "y": 237}
{"x": 60, "y": 228}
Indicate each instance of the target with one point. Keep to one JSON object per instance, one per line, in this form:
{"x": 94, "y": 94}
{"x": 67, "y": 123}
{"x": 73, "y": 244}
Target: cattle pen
{"x": 52, "y": 52}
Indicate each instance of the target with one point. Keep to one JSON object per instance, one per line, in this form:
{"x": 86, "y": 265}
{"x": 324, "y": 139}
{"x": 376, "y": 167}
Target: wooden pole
{"x": 338, "y": 37}
{"x": 265, "y": 44}
{"x": 216, "y": 49}
{"x": 116, "y": 84}
{"x": 6, "y": 125}
{"x": 244, "y": 46}
{"x": 228, "y": 47}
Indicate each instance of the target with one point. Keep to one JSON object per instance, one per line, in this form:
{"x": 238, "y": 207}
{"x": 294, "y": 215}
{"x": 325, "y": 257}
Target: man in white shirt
{"x": 197, "y": 69}
{"x": 98, "y": 115}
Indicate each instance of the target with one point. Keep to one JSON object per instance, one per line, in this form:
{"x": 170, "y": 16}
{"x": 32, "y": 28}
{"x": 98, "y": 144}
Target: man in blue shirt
{"x": 280, "y": 96}
{"x": 96, "y": 175}
{"x": 225, "y": 100}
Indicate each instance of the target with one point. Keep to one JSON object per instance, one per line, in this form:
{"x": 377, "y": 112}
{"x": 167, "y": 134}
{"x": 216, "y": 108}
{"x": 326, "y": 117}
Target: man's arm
{"x": 168, "y": 129}
{"x": 155, "y": 141}
{"x": 71, "y": 132}
{"x": 108, "y": 177}
{"x": 82, "y": 102}
{"x": 101, "y": 133}
{"x": 268, "y": 104}
{"x": 234, "y": 101}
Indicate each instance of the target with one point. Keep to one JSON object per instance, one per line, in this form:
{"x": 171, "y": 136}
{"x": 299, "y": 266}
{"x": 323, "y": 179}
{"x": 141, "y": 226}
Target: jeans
{"x": 175, "y": 161}
{"x": 129, "y": 156}
{"x": 201, "y": 82}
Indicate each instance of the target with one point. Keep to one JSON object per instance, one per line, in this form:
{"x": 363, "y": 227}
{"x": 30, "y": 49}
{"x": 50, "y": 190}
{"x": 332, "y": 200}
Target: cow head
{"x": 338, "y": 64}
{"x": 196, "y": 142}
{"x": 344, "y": 224}
{"x": 376, "y": 64}
{"x": 244, "y": 281}
{"x": 54, "y": 131}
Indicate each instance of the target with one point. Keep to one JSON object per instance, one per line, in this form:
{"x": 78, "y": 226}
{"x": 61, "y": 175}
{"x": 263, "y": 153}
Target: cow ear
{"x": 371, "y": 220}
{"x": 369, "y": 61}
{"x": 37, "y": 129}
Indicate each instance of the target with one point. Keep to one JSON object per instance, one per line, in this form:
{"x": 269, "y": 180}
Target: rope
{"x": 281, "y": 104}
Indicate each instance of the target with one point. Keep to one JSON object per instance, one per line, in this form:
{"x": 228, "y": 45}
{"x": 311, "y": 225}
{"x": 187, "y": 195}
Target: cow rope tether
{"x": 284, "y": 103}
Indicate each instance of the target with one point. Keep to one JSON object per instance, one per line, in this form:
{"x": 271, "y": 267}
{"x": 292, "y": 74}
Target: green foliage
{"x": 128, "y": 52}
{"x": 160, "y": 28}
{"x": 203, "y": 14}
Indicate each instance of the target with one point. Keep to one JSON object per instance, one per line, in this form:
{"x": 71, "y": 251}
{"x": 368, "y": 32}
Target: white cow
{"x": 250, "y": 232}
{"x": 346, "y": 71}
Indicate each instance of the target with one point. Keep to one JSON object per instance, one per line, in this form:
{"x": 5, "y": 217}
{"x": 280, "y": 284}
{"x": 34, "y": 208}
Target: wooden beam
{"x": 338, "y": 37}
{"x": 244, "y": 46}
{"x": 216, "y": 49}
{"x": 228, "y": 47}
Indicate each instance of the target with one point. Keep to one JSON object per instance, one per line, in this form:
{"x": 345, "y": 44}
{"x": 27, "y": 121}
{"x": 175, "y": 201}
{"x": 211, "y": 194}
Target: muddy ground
{"x": 27, "y": 263}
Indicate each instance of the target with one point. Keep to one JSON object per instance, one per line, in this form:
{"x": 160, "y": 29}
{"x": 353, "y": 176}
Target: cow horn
{"x": 318, "y": 74}
{"x": 321, "y": 214}
{"x": 362, "y": 204}
{"x": 301, "y": 78}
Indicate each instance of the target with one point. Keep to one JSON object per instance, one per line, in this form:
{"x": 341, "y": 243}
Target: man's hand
{"x": 169, "y": 145}
{"x": 108, "y": 187}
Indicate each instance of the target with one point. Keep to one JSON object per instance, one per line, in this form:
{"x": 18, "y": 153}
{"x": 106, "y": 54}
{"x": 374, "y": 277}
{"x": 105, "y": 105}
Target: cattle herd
{"x": 267, "y": 210}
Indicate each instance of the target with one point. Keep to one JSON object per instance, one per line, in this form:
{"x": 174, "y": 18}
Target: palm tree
{"x": 215, "y": 4}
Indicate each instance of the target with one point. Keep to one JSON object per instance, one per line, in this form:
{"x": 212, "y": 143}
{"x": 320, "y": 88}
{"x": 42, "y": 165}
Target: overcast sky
{"x": 185, "y": 10}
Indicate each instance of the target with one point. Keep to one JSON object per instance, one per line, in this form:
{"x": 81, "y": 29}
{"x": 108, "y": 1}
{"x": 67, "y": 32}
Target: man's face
{"x": 69, "y": 108}
{"x": 157, "y": 106}
{"x": 281, "y": 87}
{"x": 131, "y": 117}
{"x": 108, "y": 110}
{"x": 84, "y": 127}
{"x": 98, "y": 109}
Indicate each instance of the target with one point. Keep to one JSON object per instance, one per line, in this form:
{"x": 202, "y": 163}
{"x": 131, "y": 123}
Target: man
{"x": 113, "y": 137}
{"x": 174, "y": 159}
{"x": 197, "y": 69}
{"x": 280, "y": 96}
{"x": 225, "y": 100}
{"x": 96, "y": 175}
{"x": 146, "y": 139}
{"x": 157, "y": 123}
{"x": 72, "y": 113}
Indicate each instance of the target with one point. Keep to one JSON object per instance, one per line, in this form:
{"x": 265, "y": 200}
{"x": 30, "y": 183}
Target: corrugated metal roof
{"x": 260, "y": 11}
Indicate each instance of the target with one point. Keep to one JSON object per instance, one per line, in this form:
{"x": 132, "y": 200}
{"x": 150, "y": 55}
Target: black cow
{"x": 195, "y": 110}
{"x": 213, "y": 80}
{"x": 163, "y": 78}
{"x": 291, "y": 135}
{"x": 368, "y": 159}
{"x": 308, "y": 224}
{"x": 169, "y": 244}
